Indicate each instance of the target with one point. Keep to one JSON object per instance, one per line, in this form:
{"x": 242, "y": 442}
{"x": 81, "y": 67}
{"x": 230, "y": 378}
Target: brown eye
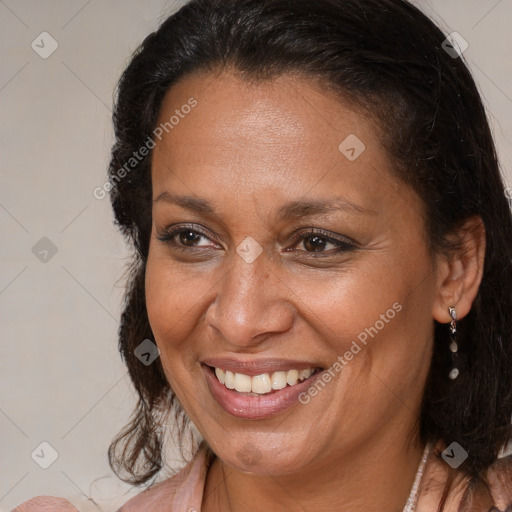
{"x": 183, "y": 237}
{"x": 189, "y": 238}
{"x": 314, "y": 243}
{"x": 319, "y": 243}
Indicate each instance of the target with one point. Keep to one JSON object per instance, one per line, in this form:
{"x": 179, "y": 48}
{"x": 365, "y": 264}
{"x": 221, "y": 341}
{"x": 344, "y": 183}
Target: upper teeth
{"x": 263, "y": 383}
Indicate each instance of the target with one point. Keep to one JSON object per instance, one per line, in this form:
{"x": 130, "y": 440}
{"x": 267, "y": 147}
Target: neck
{"x": 369, "y": 477}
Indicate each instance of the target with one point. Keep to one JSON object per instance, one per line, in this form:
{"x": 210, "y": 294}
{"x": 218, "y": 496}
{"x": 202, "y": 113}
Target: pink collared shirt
{"x": 184, "y": 491}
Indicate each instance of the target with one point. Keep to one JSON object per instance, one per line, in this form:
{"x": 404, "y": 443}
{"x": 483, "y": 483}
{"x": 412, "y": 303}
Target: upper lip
{"x": 257, "y": 366}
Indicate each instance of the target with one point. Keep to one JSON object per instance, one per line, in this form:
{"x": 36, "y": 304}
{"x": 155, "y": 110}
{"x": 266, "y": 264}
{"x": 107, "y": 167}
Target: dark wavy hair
{"x": 387, "y": 58}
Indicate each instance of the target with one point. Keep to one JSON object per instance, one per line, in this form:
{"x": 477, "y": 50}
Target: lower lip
{"x": 253, "y": 407}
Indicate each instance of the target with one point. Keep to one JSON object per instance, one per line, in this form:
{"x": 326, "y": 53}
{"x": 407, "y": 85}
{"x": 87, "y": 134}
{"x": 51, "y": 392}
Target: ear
{"x": 459, "y": 273}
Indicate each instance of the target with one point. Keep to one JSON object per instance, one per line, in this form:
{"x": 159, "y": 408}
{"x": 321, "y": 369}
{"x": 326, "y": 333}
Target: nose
{"x": 252, "y": 304}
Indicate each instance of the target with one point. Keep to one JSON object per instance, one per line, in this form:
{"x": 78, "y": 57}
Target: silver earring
{"x": 454, "y": 372}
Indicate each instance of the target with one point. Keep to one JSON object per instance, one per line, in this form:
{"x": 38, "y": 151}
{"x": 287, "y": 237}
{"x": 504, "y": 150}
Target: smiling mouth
{"x": 264, "y": 383}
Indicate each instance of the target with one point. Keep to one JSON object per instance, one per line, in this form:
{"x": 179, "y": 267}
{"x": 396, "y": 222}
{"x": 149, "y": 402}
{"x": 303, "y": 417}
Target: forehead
{"x": 287, "y": 136}
{"x": 289, "y": 111}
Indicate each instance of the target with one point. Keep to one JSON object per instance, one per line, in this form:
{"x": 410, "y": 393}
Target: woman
{"x": 322, "y": 257}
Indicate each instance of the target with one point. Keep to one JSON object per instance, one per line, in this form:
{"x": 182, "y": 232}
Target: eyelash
{"x": 342, "y": 245}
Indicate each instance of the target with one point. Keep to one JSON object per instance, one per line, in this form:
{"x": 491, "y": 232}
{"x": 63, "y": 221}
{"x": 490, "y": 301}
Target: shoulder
{"x": 45, "y": 504}
{"x": 183, "y": 492}
{"x": 442, "y": 483}
{"x": 493, "y": 491}
{"x": 499, "y": 479}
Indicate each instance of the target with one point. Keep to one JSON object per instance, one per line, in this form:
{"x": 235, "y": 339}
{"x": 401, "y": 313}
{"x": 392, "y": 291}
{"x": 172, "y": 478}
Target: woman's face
{"x": 283, "y": 243}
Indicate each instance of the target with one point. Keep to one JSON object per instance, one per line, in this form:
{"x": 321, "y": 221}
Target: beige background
{"x": 62, "y": 379}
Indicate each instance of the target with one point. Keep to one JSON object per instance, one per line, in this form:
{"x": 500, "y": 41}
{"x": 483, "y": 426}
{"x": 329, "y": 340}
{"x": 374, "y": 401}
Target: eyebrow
{"x": 290, "y": 210}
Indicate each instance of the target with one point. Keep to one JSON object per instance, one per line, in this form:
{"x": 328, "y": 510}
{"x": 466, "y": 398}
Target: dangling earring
{"x": 454, "y": 372}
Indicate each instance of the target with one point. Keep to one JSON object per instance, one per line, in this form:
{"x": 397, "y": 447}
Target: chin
{"x": 263, "y": 453}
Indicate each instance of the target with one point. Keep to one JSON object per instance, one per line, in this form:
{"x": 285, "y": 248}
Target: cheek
{"x": 168, "y": 294}
{"x": 392, "y": 331}
{"x": 161, "y": 298}
{"x": 166, "y": 301}
{"x": 343, "y": 304}
{"x": 167, "y": 305}
{"x": 373, "y": 311}
{"x": 175, "y": 299}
